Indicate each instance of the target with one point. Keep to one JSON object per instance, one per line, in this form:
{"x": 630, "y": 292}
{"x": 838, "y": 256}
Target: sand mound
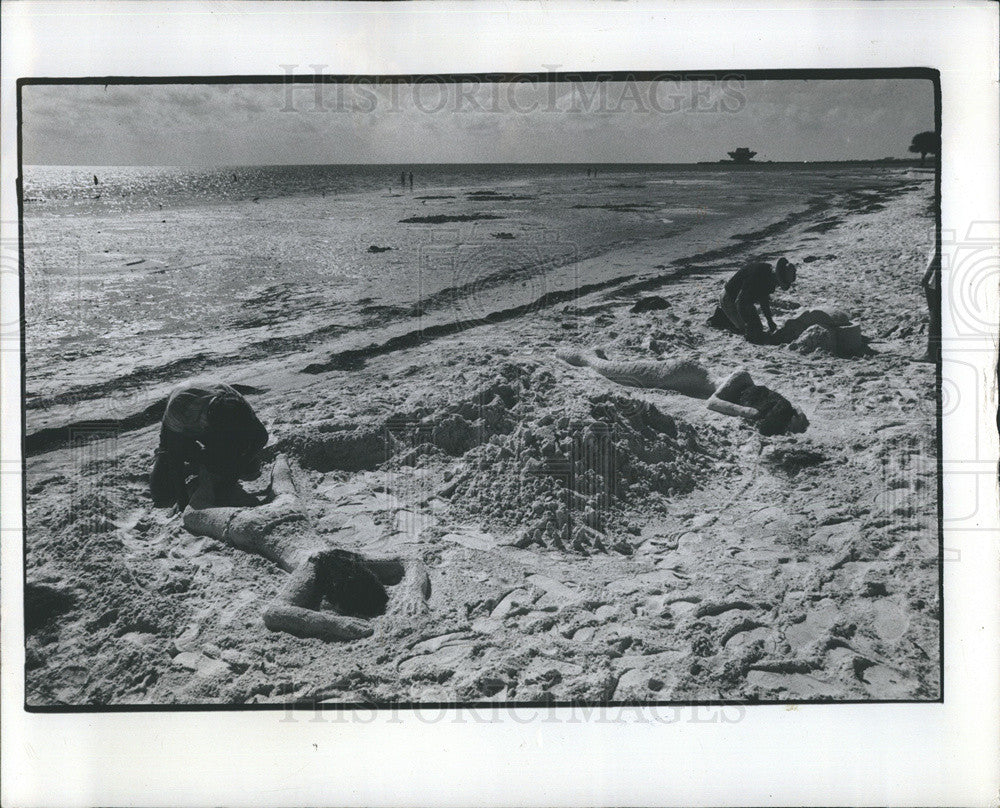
{"x": 564, "y": 474}
{"x": 815, "y": 338}
{"x": 335, "y": 445}
{"x": 803, "y": 331}
{"x": 86, "y": 514}
{"x": 557, "y": 471}
{"x": 404, "y": 436}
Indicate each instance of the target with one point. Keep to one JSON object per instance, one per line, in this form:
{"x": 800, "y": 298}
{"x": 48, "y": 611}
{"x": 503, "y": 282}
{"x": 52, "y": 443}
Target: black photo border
{"x": 800, "y": 74}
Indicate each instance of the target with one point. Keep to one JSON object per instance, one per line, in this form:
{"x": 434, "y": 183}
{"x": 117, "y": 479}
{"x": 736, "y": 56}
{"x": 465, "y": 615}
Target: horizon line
{"x": 887, "y": 159}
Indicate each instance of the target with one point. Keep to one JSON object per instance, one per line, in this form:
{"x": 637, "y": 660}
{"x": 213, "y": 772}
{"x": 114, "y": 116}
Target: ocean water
{"x": 152, "y": 273}
{"x": 133, "y": 188}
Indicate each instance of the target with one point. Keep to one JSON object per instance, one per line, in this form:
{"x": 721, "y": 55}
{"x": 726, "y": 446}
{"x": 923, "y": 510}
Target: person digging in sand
{"x": 770, "y": 412}
{"x": 750, "y": 287}
{"x": 207, "y": 425}
{"x": 279, "y": 530}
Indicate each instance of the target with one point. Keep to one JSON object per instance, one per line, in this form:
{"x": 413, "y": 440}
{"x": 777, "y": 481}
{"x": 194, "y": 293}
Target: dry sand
{"x": 716, "y": 565}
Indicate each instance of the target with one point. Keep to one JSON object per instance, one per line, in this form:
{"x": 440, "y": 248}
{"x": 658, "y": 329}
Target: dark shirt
{"x": 754, "y": 281}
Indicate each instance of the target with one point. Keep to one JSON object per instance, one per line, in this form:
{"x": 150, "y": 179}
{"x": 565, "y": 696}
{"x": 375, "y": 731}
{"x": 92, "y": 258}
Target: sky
{"x": 437, "y": 122}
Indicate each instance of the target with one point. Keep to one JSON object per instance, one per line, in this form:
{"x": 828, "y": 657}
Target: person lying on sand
{"x": 208, "y": 425}
{"x": 280, "y": 531}
{"x": 752, "y": 286}
{"x": 770, "y": 412}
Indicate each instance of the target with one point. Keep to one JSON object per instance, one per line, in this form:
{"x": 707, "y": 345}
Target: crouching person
{"x": 753, "y": 286}
{"x": 207, "y": 428}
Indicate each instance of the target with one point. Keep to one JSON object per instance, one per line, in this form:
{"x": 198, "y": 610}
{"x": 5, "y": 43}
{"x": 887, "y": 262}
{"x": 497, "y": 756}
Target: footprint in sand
{"x": 886, "y": 683}
{"x": 641, "y": 685}
{"x": 447, "y": 657}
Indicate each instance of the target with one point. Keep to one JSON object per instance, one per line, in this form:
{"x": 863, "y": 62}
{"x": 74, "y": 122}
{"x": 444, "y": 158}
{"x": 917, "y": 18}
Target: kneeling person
{"x": 752, "y": 286}
{"x": 205, "y": 426}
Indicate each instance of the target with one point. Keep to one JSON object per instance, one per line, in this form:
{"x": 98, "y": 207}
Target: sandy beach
{"x": 717, "y": 564}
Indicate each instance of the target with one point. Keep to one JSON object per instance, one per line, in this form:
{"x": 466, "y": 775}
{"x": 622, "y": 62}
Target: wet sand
{"x": 723, "y": 566}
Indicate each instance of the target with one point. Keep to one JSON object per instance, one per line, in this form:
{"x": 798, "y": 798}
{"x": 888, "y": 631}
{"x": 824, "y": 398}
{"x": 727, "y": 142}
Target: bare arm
{"x": 728, "y": 408}
{"x": 299, "y": 622}
{"x": 296, "y": 610}
{"x": 765, "y": 306}
{"x": 723, "y": 399}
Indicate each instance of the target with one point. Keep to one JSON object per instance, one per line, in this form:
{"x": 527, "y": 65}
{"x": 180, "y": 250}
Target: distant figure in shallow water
{"x": 770, "y": 412}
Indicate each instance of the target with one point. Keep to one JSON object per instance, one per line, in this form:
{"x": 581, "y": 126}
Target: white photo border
{"x": 849, "y": 754}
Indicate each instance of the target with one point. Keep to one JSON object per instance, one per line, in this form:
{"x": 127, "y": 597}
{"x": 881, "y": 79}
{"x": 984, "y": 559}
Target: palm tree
{"x": 926, "y": 143}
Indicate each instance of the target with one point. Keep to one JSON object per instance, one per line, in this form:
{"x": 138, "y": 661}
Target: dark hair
{"x": 785, "y": 268}
{"x": 349, "y": 585}
{"x": 774, "y": 411}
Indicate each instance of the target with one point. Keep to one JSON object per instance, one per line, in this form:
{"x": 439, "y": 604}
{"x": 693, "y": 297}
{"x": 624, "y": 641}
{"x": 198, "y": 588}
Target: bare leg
{"x": 680, "y": 375}
{"x": 723, "y": 399}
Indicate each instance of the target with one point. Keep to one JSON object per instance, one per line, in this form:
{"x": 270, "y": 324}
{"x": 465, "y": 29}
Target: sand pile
{"x": 561, "y": 472}
{"x": 557, "y": 470}
{"x": 824, "y": 329}
{"x": 815, "y": 338}
{"x": 405, "y": 437}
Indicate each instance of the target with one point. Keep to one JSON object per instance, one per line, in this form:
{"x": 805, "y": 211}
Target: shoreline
{"x": 332, "y": 345}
